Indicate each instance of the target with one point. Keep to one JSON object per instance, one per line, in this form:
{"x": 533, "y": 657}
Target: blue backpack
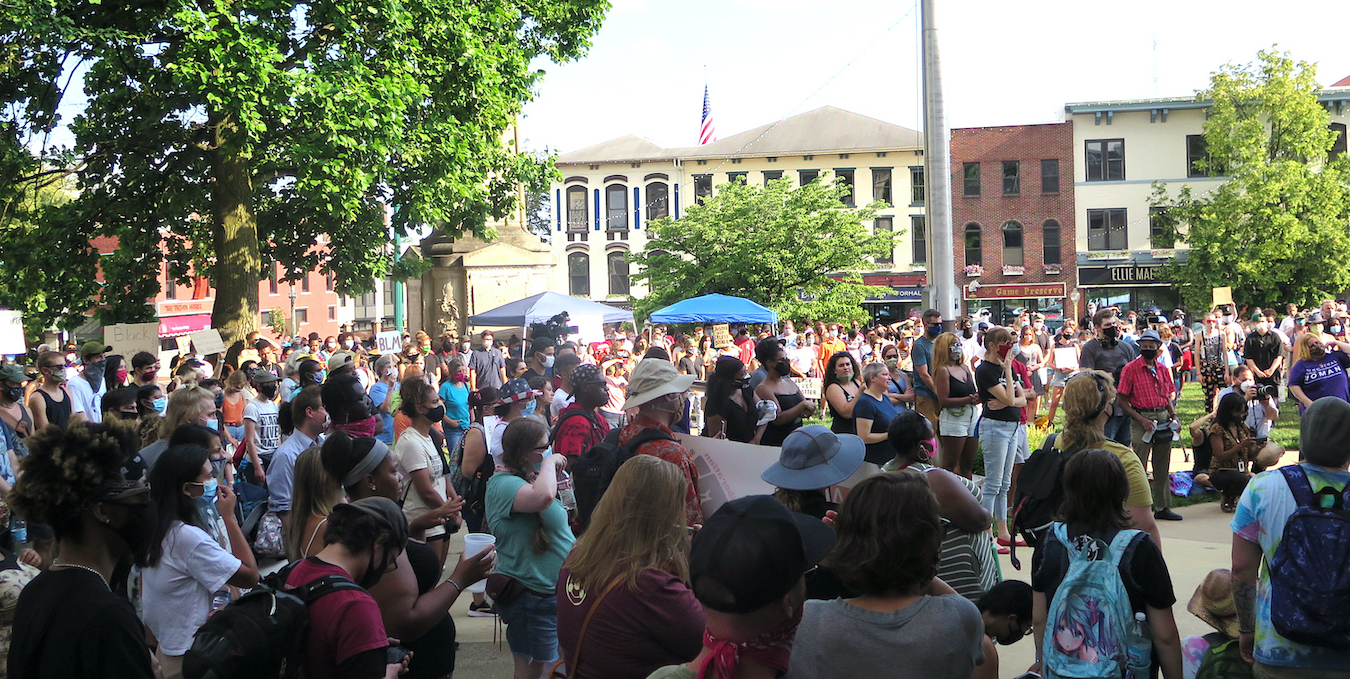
{"x": 1309, "y": 581}
{"x": 1090, "y": 622}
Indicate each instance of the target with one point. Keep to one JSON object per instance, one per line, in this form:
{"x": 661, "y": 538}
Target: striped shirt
{"x": 967, "y": 560}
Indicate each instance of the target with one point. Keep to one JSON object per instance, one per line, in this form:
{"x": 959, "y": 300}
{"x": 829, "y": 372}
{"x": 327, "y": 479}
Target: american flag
{"x": 706, "y": 132}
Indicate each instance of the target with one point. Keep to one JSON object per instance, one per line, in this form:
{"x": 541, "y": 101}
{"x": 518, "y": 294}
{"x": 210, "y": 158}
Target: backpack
{"x": 1223, "y": 659}
{"x": 1039, "y": 494}
{"x": 593, "y": 471}
{"x": 261, "y": 635}
{"x": 1309, "y": 583}
{"x": 1092, "y": 605}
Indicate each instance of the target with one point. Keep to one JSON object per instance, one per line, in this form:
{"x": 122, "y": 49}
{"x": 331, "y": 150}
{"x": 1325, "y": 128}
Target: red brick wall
{"x": 1028, "y": 144}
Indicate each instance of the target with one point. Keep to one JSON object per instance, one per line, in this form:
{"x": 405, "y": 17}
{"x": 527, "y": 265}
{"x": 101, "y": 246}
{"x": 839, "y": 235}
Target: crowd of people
{"x": 138, "y": 507}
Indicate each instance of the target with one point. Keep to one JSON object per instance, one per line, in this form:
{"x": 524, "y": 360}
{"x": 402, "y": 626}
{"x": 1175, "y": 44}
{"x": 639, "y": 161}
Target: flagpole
{"x": 942, "y": 288}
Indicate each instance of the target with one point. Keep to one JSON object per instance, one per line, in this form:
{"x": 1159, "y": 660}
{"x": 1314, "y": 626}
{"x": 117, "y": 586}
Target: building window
{"x": 1160, "y": 233}
{"x": 881, "y": 184}
{"x": 1198, "y": 161}
{"x": 332, "y": 313}
{"x": 576, "y": 209}
{"x": 919, "y": 228}
{"x": 616, "y": 207}
{"x": 770, "y": 175}
{"x": 1050, "y": 175}
{"x": 916, "y": 182}
{"x": 301, "y": 316}
{"x": 658, "y": 200}
{"x": 970, "y": 173}
{"x": 974, "y": 251}
{"x": 702, "y": 187}
{"x": 618, "y": 272}
{"x": 845, "y": 177}
{"x": 1050, "y": 242}
{"x": 1105, "y": 160}
{"x": 805, "y": 177}
{"x": 579, "y": 274}
{"x": 1338, "y": 147}
{"x": 265, "y": 319}
{"x": 1106, "y": 229}
{"x": 1012, "y": 244}
{"x": 884, "y": 225}
{"x": 1012, "y": 177}
{"x": 736, "y": 177}
{"x": 170, "y": 287}
{"x": 272, "y": 279}
{"x": 304, "y": 282}
{"x": 328, "y": 281}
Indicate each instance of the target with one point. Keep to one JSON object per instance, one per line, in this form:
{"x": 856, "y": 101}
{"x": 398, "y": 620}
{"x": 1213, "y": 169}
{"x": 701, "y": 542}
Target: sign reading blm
{"x": 389, "y": 342}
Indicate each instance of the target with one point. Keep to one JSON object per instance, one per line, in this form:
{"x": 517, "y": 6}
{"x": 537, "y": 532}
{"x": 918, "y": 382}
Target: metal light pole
{"x": 295, "y": 325}
{"x": 938, "y": 176}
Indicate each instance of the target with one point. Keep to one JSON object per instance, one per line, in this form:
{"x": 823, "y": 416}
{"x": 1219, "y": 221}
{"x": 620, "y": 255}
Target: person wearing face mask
{"x": 88, "y": 388}
{"x": 120, "y": 404}
{"x": 487, "y": 366}
{"x": 186, "y": 566}
{"x": 1144, "y": 392}
{"x": 1263, "y": 352}
{"x": 187, "y": 405}
{"x": 51, "y": 403}
{"x": 541, "y": 356}
{"x": 144, "y": 369}
{"x": 779, "y": 388}
{"x": 1210, "y": 358}
{"x": 925, "y": 394}
{"x": 221, "y": 470}
{"x": 87, "y": 482}
{"x": 729, "y": 404}
{"x": 514, "y": 401}
{"x": 898, "y": 380}
{"x": 1059, "y": 375}
{"x": 957, "y": 396}
{"x": 1003, "y": 396}
{"x": 308, "y": 419}
{"x": 262, "y": 432}
{"x": 1108, "y": 353}
{"x": 830, "y": 344}
{"x": 657, "y": 392}
{"x": 16, "y": 422}
{"x": 1318, "y": 370}
{"x": 428, "y": 487}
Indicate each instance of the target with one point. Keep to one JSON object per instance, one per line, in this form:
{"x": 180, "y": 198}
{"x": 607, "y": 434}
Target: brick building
{"x": 1013, "y": 218}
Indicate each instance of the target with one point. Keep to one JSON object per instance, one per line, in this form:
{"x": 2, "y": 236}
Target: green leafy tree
{"x": 1276, "y": 232}
{"x": 224, "y": 135}
{"x": 796, "y": 250}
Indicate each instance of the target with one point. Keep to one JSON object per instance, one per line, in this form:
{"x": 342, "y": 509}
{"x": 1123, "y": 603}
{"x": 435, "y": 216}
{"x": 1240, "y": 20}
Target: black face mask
{"x": 1148, "y": 354}
{"x": 1111, "y": 333}
{"x": 139, "y": 531}
{"x": 94, "y": 371}
{"x": 15, "y": 394}
{"x": 967, "y": 332}
{"x": 783, "y": 368}
{"x": 128, "y": 416}
{"x": 375, "y": 571}
{"x": 436, "y": 414}
{"x": 269, "y": 390}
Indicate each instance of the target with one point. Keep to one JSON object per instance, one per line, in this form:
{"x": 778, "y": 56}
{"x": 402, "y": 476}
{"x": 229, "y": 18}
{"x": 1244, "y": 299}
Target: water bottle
{"x": 220, "y": 599}
{"x": 565, "y": 493}
{"x": 1139, "y": 648}
{"x": 18, "y": 529}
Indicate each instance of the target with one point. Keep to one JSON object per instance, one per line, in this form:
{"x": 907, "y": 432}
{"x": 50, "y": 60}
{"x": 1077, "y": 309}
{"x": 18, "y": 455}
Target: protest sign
{"x": 129, "y": 339}
{"x": 728, "y": 470}
{"x": 1223, "y": 296}
{"x": 184, "y": 344}
{"x": 389, "y": 342}
{"x": 1066, "y": 357}
{"x": 208, "y": 342}
{"x": 721, "y": 335}
{"x": 810, "y": 386}
{"x": 11, "y": 332}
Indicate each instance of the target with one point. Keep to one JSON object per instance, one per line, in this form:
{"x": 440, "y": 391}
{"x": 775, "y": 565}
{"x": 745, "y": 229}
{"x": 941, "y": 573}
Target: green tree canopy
{"x": 1277, "y": 231}
{"x": 224, "y": 135}
{"x": 796, "y": 250}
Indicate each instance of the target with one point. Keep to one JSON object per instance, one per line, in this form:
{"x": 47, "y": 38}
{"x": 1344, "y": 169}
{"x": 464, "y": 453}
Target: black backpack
{"x": 262, "y": 634}
{"x": 1039, "y": 494}
{"x": 593, "y": 471}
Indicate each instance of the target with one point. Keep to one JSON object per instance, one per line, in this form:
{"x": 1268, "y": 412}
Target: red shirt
{"x": 634, "y": 632}
{"x": 1146, "y": 386}
{"x": 578, "y": 434}
{"x": 342, "y": 624}
{"x": 1024, "y": 377}
{"x": 674, "y": 453}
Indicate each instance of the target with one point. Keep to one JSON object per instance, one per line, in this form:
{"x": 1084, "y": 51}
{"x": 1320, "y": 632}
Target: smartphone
{"x": 395, "y": 655}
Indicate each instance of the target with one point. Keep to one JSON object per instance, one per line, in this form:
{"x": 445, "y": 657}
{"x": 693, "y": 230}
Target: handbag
{"x": 269, "y": 542}
{"x": 554, "y": 672}
{"x": 503, "y": 589}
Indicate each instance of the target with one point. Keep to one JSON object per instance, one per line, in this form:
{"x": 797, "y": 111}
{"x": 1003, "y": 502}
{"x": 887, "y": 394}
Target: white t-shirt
{"x": 83, "y": 398}
{"x": 264, "y": 415}
{"x": 415, "y": 451}
{"x": 561, "y": 399}
{"x": 494, "y": 426}
{"x": 803, "y": 358}
{"x": 176, "y": 595}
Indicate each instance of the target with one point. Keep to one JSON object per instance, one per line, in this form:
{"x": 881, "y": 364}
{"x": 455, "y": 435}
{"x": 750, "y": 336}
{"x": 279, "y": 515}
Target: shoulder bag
{"x": 556, "y": 671}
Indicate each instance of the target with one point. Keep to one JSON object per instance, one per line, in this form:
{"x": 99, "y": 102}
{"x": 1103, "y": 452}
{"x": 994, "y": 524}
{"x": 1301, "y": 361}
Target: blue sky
{"x": 1004, "y": 62}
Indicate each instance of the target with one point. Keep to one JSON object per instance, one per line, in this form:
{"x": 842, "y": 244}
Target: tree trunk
{"x": 238, "y": 263}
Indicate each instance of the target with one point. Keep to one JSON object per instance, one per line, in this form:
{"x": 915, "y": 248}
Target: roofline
{"x": 694, "y": 156}
{"x": 650, "y": 159}
{"x": 1337, "y": 94}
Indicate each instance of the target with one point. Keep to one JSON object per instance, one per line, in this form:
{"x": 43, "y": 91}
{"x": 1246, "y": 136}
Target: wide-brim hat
{"x": 654, "y": 378}
{"x": 515, "y": 391}
{"x": 1213, "y": 602}
{"x": 813, "y": 457}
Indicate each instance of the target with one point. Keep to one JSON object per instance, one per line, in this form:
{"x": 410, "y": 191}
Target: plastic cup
{"x": 473, "y": 544}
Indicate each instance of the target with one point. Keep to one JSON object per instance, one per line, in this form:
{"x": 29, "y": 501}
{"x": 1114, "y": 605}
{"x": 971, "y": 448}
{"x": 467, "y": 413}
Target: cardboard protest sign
{"x": 184, "y": 344}
{"x": 11, "y": 332}
{"x": 810, "y": 386}
{"x": 389, "y": 342}
{"x": 1223, "y": 296}
{"x": 129, "y": 339}
{"x": 721, "y": 335}
{"x": 728, "y": 470}
{"x": 208, "y": 342}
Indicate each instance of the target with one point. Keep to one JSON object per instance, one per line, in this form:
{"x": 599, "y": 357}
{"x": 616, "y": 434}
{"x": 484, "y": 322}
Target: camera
{"x": 1265, "y": 391}
{"x": 554, "y": 329}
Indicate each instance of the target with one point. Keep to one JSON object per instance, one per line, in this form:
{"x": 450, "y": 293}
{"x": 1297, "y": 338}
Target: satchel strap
{"x": 581, "y": 638}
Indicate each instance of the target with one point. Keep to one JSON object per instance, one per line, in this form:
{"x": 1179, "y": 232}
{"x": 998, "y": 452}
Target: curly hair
{"x": 65, "y": 468}
{"x": 411, "y": 393}
{"x": 890, "y": 535}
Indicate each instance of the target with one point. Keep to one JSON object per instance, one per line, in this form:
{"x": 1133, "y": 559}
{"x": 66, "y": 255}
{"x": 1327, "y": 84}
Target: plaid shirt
{"x": 674, "y": 453}
{"x": 1146, "y": 386}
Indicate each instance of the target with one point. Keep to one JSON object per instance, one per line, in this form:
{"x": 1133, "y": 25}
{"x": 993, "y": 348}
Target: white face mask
{"x": 548, "y": 361}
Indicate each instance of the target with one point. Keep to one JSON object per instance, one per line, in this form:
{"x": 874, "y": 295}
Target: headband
{"x": 367, "y": 464}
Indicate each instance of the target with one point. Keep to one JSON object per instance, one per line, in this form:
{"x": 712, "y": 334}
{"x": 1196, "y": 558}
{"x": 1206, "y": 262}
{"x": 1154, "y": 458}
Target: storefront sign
{"x": 182, "y": 325}
{"x": 188, "y": 306}
{"x": 1029, "y": 291}
{"x": 1124, "y": 275}
{"x": 900, "y": 294}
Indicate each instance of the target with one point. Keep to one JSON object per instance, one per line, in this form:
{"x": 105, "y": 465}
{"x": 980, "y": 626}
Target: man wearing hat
{"x": 1145, "y": 394}
{"x": 87, "y": 390}
{"x": 1264, "y": 353}
{"x": 746, "y": 569}
{"x": 580, "y": 425}
{"x": 657, "y": 391}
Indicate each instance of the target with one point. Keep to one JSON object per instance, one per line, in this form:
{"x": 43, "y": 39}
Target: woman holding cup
{"x": 415, "y": 609}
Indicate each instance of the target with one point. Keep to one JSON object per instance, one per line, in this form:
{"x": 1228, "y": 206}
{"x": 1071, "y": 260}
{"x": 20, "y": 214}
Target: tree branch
{"x": 317, "y": 39}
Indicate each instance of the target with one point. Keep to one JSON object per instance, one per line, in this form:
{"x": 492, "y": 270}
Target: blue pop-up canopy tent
{"x": 545, "y": 305}
{"x": 715, "y": 308}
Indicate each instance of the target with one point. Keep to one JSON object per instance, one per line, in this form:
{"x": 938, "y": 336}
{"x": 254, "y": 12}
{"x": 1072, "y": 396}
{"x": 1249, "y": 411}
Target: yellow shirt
{"x": 1140, "y": 493}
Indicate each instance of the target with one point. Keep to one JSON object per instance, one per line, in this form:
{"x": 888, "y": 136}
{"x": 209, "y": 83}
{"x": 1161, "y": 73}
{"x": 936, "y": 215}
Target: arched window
{"x": 1012, "y": 244}
{"x": 658, "y": 200}
{"x": 579, "y": 274}
{"x": 576, "y": 209}
{"x": 974, "y": 253}
{"x": 618, "y": 272}
{"x": 1050, "y": 242}
{"x": 616, "y": 206}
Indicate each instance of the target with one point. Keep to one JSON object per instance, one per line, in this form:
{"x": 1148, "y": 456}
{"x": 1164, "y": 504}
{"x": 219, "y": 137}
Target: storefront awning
{"x": 174, "y": 326}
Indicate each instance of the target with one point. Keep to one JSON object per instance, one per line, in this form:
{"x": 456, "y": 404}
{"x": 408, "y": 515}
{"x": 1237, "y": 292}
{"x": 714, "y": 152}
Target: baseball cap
{"x": 93, "y": 347}
{"x": 12, "y": 372}
{"x": 1258, "y": 316}
{"x": 752, "y": 552}
{"x": 814, "y": 457}
{"x": 260, "y": 376}
{"x": 340, "y": 359}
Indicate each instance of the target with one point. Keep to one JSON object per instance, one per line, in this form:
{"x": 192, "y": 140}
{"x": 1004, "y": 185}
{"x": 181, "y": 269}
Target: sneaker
{"x": 483, "y": 610}
{"x": 1166, "y": 515}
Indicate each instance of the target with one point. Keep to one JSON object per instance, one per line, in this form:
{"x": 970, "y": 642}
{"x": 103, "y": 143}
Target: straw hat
{"x": 653, "y": 378}
{"x": 1213, "y": 602}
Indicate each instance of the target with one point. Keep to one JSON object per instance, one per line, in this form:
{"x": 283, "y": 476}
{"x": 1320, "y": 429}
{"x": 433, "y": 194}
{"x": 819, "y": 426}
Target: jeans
{"x": 1118, "y": 429}
{"x": 532, "y": 625}
{"x": 1000, "y": 442}
{"x": 453, "y": 435}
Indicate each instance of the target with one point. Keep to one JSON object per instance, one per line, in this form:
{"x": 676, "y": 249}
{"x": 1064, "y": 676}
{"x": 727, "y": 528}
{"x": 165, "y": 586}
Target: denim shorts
{"x": 532, "y": 626}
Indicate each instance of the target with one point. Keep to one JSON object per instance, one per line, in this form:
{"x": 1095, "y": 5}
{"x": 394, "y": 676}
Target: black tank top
{"x": 58, "y": 412}
{"x": 838, "y": 423}
{"x": 775, "y": 433}
{"x": 958, "y": 388}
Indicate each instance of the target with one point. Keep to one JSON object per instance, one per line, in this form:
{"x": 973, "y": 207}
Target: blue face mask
{"x": 529, "y": 408}
{"x": 218, "y": 468}
{"x": 160, "y": 404}
{"x": 214, "y": 424}
{"x": 209, "y": 489}
{"x": 540, "y": 464}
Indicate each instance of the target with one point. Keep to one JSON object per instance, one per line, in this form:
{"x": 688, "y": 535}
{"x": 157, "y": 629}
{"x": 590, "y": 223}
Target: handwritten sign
{"x": 1223, "y": 296}
{"x": 721, "y": 335}
{"x": 184, "y": 344}
{"x": 11, "y": 332}
{"x": 129, "y": 339}
{"x": 811, "y": 387}
{"x": 208, "y": 342}
{"x": 389, "y": 342}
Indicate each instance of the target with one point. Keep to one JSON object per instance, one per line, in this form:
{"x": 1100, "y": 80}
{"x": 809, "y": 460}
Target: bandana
{"x": 359, "y": 429}
{"x": 773, "y": 649}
